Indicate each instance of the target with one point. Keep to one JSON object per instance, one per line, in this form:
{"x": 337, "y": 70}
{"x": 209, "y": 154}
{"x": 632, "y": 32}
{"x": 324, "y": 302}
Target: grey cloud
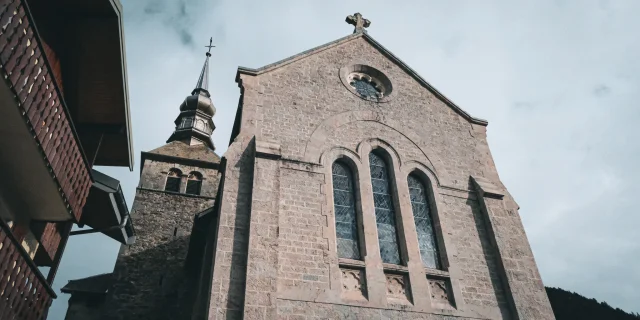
{"x": 178, "y": 15}
{"x": 601, "y": 90}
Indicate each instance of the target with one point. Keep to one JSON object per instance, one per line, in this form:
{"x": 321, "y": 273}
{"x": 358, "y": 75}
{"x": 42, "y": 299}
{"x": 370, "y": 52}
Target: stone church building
{"x": 351, "y": 189}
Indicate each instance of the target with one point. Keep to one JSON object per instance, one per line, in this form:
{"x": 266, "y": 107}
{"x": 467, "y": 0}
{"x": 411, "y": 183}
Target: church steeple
{"x": 194, "y": 124}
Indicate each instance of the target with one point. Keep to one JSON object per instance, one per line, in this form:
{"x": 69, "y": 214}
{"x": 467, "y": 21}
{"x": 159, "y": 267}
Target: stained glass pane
{"x": 384, "y": 210}
{"x": 345, "y": 210}
{"x": 424, "y": 224}
{"x": 365, "y": 88}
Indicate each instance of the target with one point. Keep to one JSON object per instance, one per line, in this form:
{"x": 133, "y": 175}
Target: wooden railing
{"x": 28, "y": 73}
{"x": 24, "y": 291}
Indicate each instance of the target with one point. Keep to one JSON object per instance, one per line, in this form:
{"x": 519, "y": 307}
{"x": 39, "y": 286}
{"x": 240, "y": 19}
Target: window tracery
{"x": 384, "y": 210}
{"x": 424, "y": 222}
{"x": 345, "y": 212}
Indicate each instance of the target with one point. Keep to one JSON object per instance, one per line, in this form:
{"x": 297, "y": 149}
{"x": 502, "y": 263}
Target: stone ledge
{"x": 486, "y": 188}
{"x": 268, "y": 150}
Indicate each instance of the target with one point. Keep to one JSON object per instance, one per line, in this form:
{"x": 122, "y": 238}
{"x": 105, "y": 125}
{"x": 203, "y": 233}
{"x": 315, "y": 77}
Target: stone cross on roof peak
{"x": 357, "y": 20}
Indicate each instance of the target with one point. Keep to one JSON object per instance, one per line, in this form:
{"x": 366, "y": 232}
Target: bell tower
{"x": 178, "y": 181}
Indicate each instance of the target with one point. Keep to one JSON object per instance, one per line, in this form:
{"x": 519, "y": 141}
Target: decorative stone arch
{"x": 368, "y": 145}
{"x": 314, "y": 147}
{"x": 328, "y": 157}
{"x": 414, "y": 165}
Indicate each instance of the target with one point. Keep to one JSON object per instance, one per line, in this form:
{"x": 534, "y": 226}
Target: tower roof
{"x": 194, "y": 124}
{"x": 203, "y": 80}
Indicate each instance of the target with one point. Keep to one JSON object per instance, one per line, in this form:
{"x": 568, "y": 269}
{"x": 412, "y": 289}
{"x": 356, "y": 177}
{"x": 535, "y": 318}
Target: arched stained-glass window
{"x": 384, "y": 210}
{"x": 345, "y": 212}
{"x": 424, "y": 222}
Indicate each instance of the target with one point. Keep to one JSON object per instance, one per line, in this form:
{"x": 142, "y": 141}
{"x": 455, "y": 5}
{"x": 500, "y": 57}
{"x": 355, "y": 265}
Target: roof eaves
{"x": 283, "y": 62}
{"x": 424, "y": 82}
{"x": 117, "y": 9}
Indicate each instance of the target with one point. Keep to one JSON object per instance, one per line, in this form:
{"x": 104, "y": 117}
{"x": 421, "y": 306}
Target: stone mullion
{"x": 376, "y": 280}
{"x": 418, "y": 283}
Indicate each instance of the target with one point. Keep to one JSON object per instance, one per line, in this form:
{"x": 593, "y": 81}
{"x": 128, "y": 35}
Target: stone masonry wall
{"x": 154, "y": 176}
{"x": 150, "y": 279}
{"x": 303, "y": 110}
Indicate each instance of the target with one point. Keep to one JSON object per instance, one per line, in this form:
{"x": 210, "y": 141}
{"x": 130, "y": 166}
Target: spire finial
{"x": 210, "y": 46}
{"x": 203, "y": 80}
{"x": 357, "y": 20}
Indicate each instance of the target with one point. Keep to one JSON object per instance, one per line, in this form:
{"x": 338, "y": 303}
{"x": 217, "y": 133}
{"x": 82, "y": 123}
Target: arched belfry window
{"x": 424, "y": 222}
{"x": 173, "y": 180}
{"x": 384, "y": 209}
{"x": 345, "y": 212}
{"x": 194, "y": 183}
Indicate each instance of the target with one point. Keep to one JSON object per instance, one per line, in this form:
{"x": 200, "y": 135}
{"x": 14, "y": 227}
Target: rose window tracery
{"x": 366, "y": 86}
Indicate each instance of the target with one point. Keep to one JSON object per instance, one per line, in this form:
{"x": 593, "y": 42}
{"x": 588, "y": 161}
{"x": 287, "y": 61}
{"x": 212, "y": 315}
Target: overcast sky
{"x": 557, "y": 80}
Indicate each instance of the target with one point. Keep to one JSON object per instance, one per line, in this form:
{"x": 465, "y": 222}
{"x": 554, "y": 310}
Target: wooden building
{"x": 63, "y": 109}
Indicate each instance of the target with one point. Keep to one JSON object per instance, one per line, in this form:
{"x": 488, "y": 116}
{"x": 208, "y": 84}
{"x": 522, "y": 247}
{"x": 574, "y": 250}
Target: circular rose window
{"x": 366, "y": 82}
{"x": 366, "y": 86}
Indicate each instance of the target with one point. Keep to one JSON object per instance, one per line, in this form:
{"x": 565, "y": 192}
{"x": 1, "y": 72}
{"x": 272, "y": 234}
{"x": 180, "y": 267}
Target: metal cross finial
{"x": 210, "y": 46}
{"x": 357, "y": 20}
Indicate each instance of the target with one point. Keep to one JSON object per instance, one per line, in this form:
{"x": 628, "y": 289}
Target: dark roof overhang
{"x": 98, "y": 284}
{"x": 106, "y": 210}
{"x": 87, "y": 38}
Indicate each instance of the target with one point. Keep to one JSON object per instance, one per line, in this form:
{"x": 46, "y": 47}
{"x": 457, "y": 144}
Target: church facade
{"x": 351, "y": 189}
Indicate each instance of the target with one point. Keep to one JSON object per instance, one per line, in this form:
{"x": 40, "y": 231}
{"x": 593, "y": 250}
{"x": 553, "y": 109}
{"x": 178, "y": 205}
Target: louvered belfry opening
{"x": 173, "y": 181}
{"x": 194, "y": 183}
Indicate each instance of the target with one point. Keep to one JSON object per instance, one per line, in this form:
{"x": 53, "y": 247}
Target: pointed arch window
{"x": 345, "y": 212}
{"x": 384, "y": 209}
{"x": 424, "y": 222}
{"x": 173, "y": 180}
{"x": 194, "y": 183}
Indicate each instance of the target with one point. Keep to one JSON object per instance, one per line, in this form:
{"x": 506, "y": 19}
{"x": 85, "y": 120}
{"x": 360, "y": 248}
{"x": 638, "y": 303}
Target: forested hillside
{"x": 569, "y": 306}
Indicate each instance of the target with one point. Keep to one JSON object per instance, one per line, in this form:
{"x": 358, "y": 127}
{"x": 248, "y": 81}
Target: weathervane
{"x": 210, "y": 46}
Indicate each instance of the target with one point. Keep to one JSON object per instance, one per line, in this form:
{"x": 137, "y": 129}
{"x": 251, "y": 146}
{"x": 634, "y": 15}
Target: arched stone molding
{"x": 320, "y": 134}
{"x": 368, "y": 145}
{"x": 328, "y": 157}
{"x": 315, "y": 144}
{"x": 413, "y": 165}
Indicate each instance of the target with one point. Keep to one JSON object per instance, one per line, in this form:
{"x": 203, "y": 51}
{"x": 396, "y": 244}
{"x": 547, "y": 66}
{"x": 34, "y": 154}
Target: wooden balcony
{"x": 47, "y": 174}
{"x": 24, "y": 291}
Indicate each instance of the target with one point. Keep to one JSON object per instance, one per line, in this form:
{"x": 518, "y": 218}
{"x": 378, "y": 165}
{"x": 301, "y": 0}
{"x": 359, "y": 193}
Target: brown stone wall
{"x": 231, "y": 246}
{"x": 297, "y": 118}
{"x": 302, "y": 243}
{"x": 480, "y": 283}
{"x": 293, "y": 103}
